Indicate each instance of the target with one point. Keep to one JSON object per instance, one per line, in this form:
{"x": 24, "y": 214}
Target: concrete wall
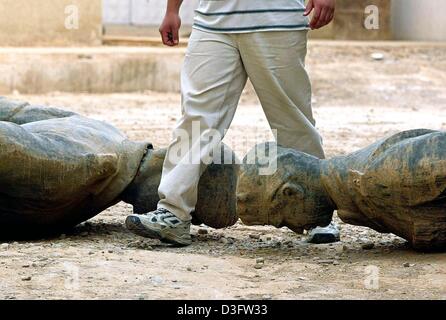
{"x": 143, "y": 12}
{"x": 42, "y": 23}
{"x": 419, "y": 20}
{"x": 90, "y": 69}
{"x": 142, "y": 18}
{"x": 349, "y": 20}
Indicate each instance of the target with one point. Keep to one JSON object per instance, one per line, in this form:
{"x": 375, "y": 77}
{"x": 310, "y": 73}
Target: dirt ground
{"x": 356, "y": 100}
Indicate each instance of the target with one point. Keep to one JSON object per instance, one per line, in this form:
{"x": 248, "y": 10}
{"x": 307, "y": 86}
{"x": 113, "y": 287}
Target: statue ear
{"x": 291, "y": 189}
{"x": 355, "y": 180}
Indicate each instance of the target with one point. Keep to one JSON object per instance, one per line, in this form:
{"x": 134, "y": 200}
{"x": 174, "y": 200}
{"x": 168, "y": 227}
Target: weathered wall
{"x": 90, "y": 70}
{"x": 419, "y": 20}
{"x": 349, "y": 21}
{"x": 139, "y": 17}
{"x": 143, "y": 12}
{"x": 42, "y": 23}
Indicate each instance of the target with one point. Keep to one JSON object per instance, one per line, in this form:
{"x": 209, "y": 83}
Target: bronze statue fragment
{"x": 396, "y": 185}
{"x": 58, "y": 169}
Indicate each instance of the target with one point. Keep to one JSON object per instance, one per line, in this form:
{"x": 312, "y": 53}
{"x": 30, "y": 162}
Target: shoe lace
{"x": 162, "y": 211}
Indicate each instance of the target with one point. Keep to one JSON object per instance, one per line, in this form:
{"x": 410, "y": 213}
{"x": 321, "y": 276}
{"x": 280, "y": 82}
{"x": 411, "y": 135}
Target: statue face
{"x": 292, "y": 196}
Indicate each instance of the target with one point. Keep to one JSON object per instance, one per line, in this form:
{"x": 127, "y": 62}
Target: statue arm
{"x": 20, "y": 112}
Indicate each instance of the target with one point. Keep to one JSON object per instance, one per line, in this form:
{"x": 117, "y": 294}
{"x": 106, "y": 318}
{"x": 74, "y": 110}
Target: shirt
{"x": 238, "y": 16}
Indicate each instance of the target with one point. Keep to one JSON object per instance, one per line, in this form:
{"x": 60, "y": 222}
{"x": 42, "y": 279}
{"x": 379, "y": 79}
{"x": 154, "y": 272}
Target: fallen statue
{"x": 396, "y": 185}
{"x": 58, "y": 169}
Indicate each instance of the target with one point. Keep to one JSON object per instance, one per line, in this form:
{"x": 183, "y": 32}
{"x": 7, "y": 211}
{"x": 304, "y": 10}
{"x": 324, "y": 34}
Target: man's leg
{"x": 275, "y": 63}
{"x": 213, "y": 78}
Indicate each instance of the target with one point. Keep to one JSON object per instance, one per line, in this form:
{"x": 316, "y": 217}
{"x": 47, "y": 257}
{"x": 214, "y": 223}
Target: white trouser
{"x": 214, "y": 75}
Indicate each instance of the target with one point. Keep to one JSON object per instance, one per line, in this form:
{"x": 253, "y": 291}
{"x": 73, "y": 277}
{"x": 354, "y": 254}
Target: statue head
{"x": 292, "y": 195}
{"x": 216, "y": 203}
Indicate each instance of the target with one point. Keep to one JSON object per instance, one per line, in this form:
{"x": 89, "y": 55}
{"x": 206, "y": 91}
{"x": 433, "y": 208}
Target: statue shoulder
{"x": 407, "y": 169}
{"x": 388, "y": 142}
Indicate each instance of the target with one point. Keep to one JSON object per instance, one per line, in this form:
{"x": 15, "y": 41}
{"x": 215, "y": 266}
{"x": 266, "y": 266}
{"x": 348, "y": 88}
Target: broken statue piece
{"x": 58, "y": 169}
{"x": 396, "y": 185}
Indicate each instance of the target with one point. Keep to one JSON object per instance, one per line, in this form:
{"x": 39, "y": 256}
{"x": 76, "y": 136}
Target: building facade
{"x": 419, "y": 20}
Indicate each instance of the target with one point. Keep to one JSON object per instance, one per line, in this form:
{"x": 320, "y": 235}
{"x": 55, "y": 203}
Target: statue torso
{"x": 61, "y": 168}
{"x": 393, "y": 185}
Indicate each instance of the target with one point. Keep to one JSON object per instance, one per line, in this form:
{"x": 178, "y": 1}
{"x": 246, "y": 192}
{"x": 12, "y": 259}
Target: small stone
{"x": 26, "y": 278}
{"x": 377, "y": 56}
{"x": 368, "y": 245}
{"x": 339, "y": 249}
{"x": 254, "y": 236}
{"x": 266, "y": 238}
{"x": 26, "y": 265}
{"x": 260, "y": 260}
{"x": 258, "y": 266}
{"x": 326, "y": 261}
{"x": 408, "y": 265}
{"x": 202, "y": 231}
{"x": 336, "y": 263}
{"x": 90, "y": 253}
{"x": 189, "y": 269}
{"x": 156, "y": 280}
{"x": 277, "y": 244}
{"x": 5, "y": 245}
{"x": 302, "y": 278}
{"x": 110, "y": 251}
{"x": 289, "y": 243}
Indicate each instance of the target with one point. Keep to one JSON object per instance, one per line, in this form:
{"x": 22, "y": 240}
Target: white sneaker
{"x": 160, "y": 224}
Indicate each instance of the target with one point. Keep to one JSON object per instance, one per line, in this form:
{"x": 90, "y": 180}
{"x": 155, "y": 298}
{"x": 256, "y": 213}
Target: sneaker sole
{"x": 134, "y": 224}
